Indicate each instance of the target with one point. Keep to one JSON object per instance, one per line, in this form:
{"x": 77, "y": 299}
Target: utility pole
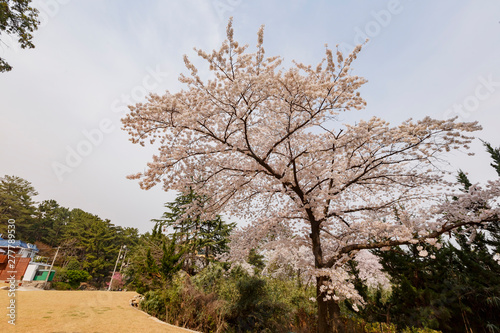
{"x": 123, "y": 260}
{"x": 116, "y": 264}
{"x": 50, "y": 269}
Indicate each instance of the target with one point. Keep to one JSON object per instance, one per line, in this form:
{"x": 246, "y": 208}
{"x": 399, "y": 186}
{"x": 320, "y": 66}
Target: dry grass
{"x": 78, "y": 311}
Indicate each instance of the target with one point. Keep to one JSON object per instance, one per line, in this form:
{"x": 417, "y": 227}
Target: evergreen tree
{"x": 495, "y": 156}
{"x": 462, "y": 179}
{"x": 151, "y": 267}
{"x": 197, "y": 237}
{"x": 171, "y": 261}
{"x": 155, "y": 260}
{"x": 49, "y": 223}
{"x": 257, "y": 260}
{"x": 455, "y": 289}
{"x": 96, "y": 241}
{"x": 213, "y": 238}
{"x": 16, "y": 202}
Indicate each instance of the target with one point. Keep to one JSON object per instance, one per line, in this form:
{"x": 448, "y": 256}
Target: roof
{"x": 17, "y": 243}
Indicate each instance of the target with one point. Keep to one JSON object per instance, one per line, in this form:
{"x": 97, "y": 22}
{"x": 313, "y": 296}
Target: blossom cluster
{"x": 263, "y": 144}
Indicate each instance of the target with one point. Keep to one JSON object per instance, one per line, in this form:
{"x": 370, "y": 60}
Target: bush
{"x": 216, "y": 300}
{"x": 182, "y": 304}
{"x": 61, "y": 286}
{"x": 209, "y": 279}
{"x": 117, "y": 283}
{"x": 154, "y": 304}
{"x": 72, "y": 277}
{"x": 419, "y": 330}
{"x": 258, "y": 307}
{"x": 73, "y": 264}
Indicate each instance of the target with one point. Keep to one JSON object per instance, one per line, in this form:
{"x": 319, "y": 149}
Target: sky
{"x": 60, "y": 107}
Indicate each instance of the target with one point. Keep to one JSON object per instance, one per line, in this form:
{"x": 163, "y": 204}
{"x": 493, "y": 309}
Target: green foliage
{"x": 84, "y": 239}
{"x": 256, "y": 309}
{"x": 96, "y": 241}
{"x": 454, "y": 292}
{"x": 209, "y": 279}
{"x": 416, "y": 283}
{"x": 457, "y": 291}
{"x": 232, "y": 301}
{"x": 49, "y": 223}
{"x": 61, "y": 286}
{"x": 154, "y": 304}
{"x": 17, "y": 18}
{"x": 376, "y": 309}
{"x": 154, "y": 262}
{"x": 75, "y": 277}
{"x": 72, "y": 277}
{"x": 257, "y": 260}
{"x": 418, "y": 330}
{"x": 171, "y": 261}
{"x": 73, "y": 264}
{"x": 495, "y": 156}
{"x": 184, "y": 305}
{"x": 197, "y": 238}
{"x": 16, "y": 202}
{"x": 464, "y": 180}
{"x": 151, "y": 266}
{"x": 358, "y": 325}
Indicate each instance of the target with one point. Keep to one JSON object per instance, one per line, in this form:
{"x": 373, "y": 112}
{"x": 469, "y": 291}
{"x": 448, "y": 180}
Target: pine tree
{"x": 197, "y": 237}
{"x": 16, "y": 203}
{"x": 458, "y": 289}
{"x": 95, "y": 242}
{"x": 49, "y": 223}
{"x": 171, "y": 261}
{"x": 495, "y": 156}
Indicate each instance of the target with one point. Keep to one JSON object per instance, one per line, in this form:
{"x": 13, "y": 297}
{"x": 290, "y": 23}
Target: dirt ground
{"x": 77, "y": 311}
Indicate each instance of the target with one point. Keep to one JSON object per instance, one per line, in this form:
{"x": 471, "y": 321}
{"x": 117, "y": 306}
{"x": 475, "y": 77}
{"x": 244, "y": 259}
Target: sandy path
{"x": 77, "y": 311}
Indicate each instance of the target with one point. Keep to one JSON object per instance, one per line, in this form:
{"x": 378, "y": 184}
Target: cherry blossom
{"x": 264, "y": 144}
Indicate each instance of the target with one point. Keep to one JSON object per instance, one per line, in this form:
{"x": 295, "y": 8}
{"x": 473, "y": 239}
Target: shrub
{"x": 419, "y": 330}
{"x": 216, "y": 300}
{"x": 72, "y": 277}
{"x": 257, "y": 309}
{"x": 117, "y": 283}
{"x": 61, "y": 286}
{"x": 154, "y": 304}
{"x": 182, "y": 304}
{"x": 73, "y": 264}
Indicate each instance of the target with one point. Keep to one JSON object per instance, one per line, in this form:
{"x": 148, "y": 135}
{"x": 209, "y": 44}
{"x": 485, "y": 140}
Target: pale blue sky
{"x": 423, "y": 58}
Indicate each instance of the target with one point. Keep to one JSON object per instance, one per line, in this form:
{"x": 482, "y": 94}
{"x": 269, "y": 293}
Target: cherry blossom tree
{"x": 264, "y": 143}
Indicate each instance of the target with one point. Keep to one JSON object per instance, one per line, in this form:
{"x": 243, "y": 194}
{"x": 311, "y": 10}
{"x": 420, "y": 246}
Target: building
{"x": 18, "y": 258}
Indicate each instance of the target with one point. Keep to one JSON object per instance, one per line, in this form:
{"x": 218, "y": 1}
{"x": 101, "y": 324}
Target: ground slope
{"x": 77, "y": 311}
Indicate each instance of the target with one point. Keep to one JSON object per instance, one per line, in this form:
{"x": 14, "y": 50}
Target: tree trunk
{"x": 329, "y": 319}
{"x": 207, "y": 261}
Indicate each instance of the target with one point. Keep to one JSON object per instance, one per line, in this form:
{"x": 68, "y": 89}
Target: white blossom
{"x": 496, "y": 257}
{"x": 262, "y": 143}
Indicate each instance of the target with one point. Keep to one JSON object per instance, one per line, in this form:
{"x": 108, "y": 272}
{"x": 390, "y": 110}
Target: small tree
{"x": 170, "y": 262}
{"x": 118, "y": 282}
{"x": 262, "y": 143}
{"x": 196, "y": 236}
